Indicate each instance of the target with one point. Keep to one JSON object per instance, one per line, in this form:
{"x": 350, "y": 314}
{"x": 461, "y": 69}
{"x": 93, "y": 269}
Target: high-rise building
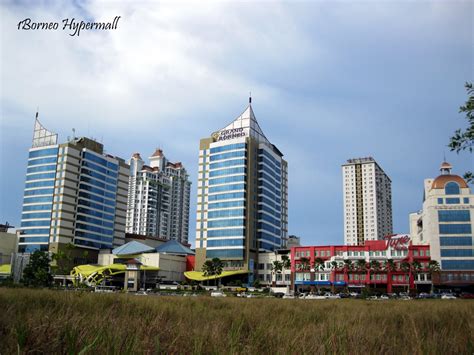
{"x": 158, "y": 198}
{"x": 446, "y": 223}
{"x": 367, "y": 201}
{"x": 242, "y": 206}
{"x": 74, "y": 193}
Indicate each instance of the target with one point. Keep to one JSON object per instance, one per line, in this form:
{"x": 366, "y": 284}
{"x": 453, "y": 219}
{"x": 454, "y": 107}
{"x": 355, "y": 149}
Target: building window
{"x": 452, "y": 200}
{"x": 440, "y": 201}
{"x": 451, "y": 188}
{"x": 455, "y": 229}
{"x": 466, "y": 199}
{"x": 454, "y": 216}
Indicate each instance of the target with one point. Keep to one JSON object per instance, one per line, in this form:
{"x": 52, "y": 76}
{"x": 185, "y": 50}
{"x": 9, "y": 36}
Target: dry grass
{"x": 44, "y": 321}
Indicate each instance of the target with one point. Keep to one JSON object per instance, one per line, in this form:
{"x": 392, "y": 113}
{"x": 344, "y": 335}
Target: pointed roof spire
{"x": 250, "y": 97}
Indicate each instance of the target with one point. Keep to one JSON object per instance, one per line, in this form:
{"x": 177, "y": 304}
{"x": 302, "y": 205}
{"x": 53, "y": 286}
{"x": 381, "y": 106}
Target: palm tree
{"x": 415, "y": 268}
{"x": 286, "y": 263}
{"x": 348, "y": 265}
{"x": 319, "y": 264}
{"x": 277, "y": 267}
{"x": 208, "y": 269}
{"x": 361, "y": 265}
{"x": 375, "y": 267}
{"x": 218, "y": 267}
{"x": 389, "y": 265}
{"x": 433, "y": 267}
{"x": 334, "y": 265}
{"x": 305, "y": 264}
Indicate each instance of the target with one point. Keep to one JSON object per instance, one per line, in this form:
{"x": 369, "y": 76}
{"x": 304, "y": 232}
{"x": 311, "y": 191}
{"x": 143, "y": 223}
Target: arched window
{"x": 451, "y": 188}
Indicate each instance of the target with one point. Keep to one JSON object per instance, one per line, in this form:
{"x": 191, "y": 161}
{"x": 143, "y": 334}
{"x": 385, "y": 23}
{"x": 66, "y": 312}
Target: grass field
{"x": 45, "y": 321}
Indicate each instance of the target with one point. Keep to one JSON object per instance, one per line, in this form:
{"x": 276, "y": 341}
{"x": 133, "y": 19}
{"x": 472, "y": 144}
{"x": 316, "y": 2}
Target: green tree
{"x": 361, "y": 265}
{"x": 334, "y": 265}
{"x": 37, "y": 273}
{"x": 434, "y": 268}
{"x": 305, "y": 264}
{"x": 464, "y": 139}
{"x": 319, "y": 264}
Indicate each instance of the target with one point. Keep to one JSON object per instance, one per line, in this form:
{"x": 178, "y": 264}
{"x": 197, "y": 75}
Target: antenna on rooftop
{"x": 250, "y": 97}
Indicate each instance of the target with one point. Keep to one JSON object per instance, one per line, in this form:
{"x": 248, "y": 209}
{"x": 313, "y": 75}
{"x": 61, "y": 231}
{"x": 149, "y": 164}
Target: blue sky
{"x": 330, "y": 81}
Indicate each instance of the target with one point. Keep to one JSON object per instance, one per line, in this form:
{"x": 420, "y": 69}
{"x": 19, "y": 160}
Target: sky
{"x": 330, "y": 81}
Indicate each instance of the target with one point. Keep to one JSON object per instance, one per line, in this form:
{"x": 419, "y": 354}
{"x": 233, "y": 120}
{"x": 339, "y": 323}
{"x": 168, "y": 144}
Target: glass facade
{"x": 38, "y": 199}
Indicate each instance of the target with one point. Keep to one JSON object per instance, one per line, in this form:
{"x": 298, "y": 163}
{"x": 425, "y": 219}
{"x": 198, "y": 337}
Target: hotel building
{"x": 242, "y": 207}
{"x": 392, "y": 266}
{"x": 446, "y": 224}
{"x": 74, "y": 193}
{"x": 367, "y": 201}
{"x": 158, "y": 198}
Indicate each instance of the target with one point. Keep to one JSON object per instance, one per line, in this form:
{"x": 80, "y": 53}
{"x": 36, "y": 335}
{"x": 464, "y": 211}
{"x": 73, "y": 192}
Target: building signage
{"x": 397, "y": 241}
{"x": 229, "y": 134}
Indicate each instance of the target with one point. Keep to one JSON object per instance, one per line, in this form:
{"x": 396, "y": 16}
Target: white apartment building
{"x": 158, "y": 198}
{"x": 367, "y": 201}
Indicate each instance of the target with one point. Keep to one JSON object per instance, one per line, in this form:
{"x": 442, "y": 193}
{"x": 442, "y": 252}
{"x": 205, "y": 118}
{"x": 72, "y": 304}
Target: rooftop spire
{"x": 250, "y": 97}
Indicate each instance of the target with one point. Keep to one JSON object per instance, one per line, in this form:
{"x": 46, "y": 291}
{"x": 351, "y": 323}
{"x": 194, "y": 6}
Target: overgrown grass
{"x": 73, "y": 322}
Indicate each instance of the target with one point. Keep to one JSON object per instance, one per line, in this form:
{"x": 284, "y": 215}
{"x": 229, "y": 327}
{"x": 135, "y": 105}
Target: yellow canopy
{"x": 96, "y": 273}
{"x": 5, "y": 269}
{"x": 199, "y": 276}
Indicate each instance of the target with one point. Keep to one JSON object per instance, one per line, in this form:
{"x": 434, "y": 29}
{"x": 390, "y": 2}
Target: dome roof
{"x": 445, "y": 164}
{"x": 442, "y": 180}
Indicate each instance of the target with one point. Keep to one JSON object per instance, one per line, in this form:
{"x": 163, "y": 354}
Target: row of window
{"x": 101, "y": 161}
{"x": 40, "y": 176}
{"x": 100, "y": 169}
{"x": 452, "y": 200}
{"x": 94, "y": 229}
{"x": 226, "y": 223}
{"x": 85, "y": 171}
{"x": 36, "y": 231}
{"x": 227, "y": 196}
{"x": 455, "y": 229}
{"x": 226, "y": 213}
{"x": 454, "y": 216}
{"x": 228, "y": 163}
{"x": 97, "y": 191}
{"x": 96, "y": 206}
{"x": 233, "y": 232}
{"x": 455, "y": 241}
{"x": 457, "y": 264}
{"x": 269, "y": 219}
{"x": 42, "y": 161}
{"x": 30, "y": 185}
{"x": 269, "y": 156}
{"x": 229, "y": 155}
{"x": 34, "y": 240}
{"x": 266, "y": 227}
{"x": 94, "y": 182}
{"x": 228, "y": 171}
{"x": 227, "y": 188}
{"x": 225, "y": 242}
{"x": 225, "y": 253}
{"x": 37, "y": 207}
{"x": 40, "y": 169}
{"x": 262, "y": 207}
{"x": 43, "y": 153}
{"x": 266, "y": 245}
{"x": 36, "y": 223}
{"x": 227, "y": 179}
{"x": 227, "y": 147}
{"x": 95, "y": 213}
{"x": 90, "y": 243}
{"x": 227, "y": 204}
{"x": 48, "y": 191}
{"x": 456, "y": 252}
{"x": 36, "y": 215}
{"x": 268, "y": 237}
{"x": 96, "y": 198}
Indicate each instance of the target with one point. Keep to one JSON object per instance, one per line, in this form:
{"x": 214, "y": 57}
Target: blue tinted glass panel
{"x": 229, "y": 171}
{"x": 36, "y": 223}
{"x": 100, "y": 161}
{"x": 94, "y": 244}
{"x": 452, "y": 200}
{"x": 228, "y": 179}
{"x": 457, "y": 264}
{"x": 95, "y": 213}
{"x": 212, "y": 206}
{"x": 40, "y": 176}
{"x": 96, "y": 198}
{"x": 225, "y": 242}
{"x": 229, "y": 253}
{"x": 229, "y": 155}
{"x": 226, "y": 213}
{"x": 42, "y": 161}
{"x": 39, "y": 192}
{"x": 455, "y": 229}
{"x": 37, "y": 199}
{"x": 228, "y": 147}
{"x": 96, "y": 221}
{"x": 36, "y": 215}
{"x": 43, "y": 152}
{"x": 466, "y": 199}
{"x": 440, "y": 201}
{"x": 36, "y": 231}
{"x": 34, "y": 239}
{"x": 96, "y": 206}
{"x": 454, "y": 216}
{"x": 455, "y": 241}
{"x": 99, "y": 168}
{"x": 226, "y": 233}
{"x": 227, "y": 163}
{"x": 456, "y": 252}
{"x": 94, "y": 229}
{"x": 266, "y": 246}
{"x": 30, "y": 185}
{"x": 268, "y": 237}
{"x": 226, "y": 223}
{"x": 37, "y": 207}
{"x": 30, "y": 248}
{"x": 39, "y": 169}
{"x": 451, "y": 188}
{"x": 227, "y": 196}
{"x": 227, "y": 188}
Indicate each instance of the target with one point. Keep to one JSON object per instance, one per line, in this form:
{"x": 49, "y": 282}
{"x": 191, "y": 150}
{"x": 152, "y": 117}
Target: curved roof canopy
{"x": 199, "y": 276}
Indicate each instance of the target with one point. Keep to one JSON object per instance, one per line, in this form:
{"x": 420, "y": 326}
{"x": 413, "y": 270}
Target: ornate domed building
{"x": 446, "y": 224}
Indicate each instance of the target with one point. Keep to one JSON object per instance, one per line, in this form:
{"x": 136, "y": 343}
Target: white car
{"x": 289, "y": 297}
{"x": 447, "y": 296}
{"x": 315, "y": 297}
{"x": 331, "y": 296}
{"x": 218, "y": 294}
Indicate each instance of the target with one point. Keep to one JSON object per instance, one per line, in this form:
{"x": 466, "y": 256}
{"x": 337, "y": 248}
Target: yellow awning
{"x": 95, "y": 273}
{"x": 199, "y": 276}
{"x": 5, "y": 269}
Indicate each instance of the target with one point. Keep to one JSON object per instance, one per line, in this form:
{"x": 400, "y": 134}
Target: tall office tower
{"x": 367, "y": 201}
{"x": 242, "y": 206}
{"x": 446, "y": 223}
{"x": 74, "y": 193}
{"x": 158, "y": 198}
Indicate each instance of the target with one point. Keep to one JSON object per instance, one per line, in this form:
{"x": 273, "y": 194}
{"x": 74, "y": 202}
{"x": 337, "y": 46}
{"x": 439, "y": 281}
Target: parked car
{"x": 331, "y": 296}
{"x": 465, "y": 295}
{"x": 288, "y": 296}
{"x": 218, "y": 294}
{"x": 384, "y": 297}
{"x": 448, "y": 296}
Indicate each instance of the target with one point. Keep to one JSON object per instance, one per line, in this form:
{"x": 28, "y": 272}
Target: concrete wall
{"x": 8, "y": 245}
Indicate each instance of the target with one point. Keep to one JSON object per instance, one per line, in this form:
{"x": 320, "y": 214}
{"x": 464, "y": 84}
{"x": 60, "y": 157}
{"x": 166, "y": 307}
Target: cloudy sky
{"x": 329, "y": 81}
